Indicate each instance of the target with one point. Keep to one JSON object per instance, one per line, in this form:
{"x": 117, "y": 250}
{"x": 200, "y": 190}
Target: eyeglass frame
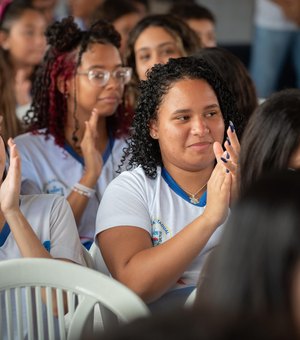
{"x": 107, "y": 75}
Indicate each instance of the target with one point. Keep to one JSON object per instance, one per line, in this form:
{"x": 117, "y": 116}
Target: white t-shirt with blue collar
{"x": 48, "y": 168}
{"x": 158, "y": 206}
{"x": 52, "y": 220}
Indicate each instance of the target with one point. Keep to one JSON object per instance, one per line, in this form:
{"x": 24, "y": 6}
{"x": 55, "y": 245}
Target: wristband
{"x": 83, "y": 190}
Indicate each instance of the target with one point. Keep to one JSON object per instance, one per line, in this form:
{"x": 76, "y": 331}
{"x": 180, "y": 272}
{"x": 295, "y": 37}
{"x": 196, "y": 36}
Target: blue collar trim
{"x": 4, "y": 234}
{"x": 73, "y": 153}
{"x": 105, "y": 156}
{"x": 108, "y": 149}
{"x": 176, "y": 188}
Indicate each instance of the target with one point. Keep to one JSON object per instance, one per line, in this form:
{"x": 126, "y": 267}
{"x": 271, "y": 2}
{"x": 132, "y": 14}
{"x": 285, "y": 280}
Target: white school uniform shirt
{"x": 52, "y": 220}
{"x": 158, "y": 206}
{"x": 51, "y": 169}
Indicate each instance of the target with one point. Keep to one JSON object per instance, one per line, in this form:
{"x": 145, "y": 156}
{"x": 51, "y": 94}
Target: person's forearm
{"x": 77, "y": 201}
{"x": 26, "y": 239}
{"x": 151, "y": 272}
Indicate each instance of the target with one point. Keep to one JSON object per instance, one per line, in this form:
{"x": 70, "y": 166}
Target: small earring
{"x": 66, "y": 95}
{"x": 153, "y": 135}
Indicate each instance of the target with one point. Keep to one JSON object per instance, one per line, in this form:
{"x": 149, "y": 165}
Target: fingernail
{"x": 224, "y": 160}
{"x": 231, "y": 126}
{"x": 228, "y": 140}
{"x": 227, "y": 155}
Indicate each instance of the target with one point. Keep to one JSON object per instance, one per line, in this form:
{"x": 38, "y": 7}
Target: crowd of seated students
{"x": 143, "y": 137}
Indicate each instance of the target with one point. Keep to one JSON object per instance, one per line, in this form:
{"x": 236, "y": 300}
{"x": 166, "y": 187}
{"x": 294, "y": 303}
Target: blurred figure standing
{"x": 276, "y": 37}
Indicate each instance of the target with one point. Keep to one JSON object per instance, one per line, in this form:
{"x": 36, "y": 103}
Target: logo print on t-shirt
{"x": 160, "y": 232}
{"x": 54, "y": 187}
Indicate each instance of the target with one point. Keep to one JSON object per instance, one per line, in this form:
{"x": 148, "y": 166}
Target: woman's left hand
{"x": 10, "y": 188}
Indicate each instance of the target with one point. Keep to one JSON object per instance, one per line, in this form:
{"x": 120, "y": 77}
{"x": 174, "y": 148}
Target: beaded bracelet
{"x": 83, "y": 190}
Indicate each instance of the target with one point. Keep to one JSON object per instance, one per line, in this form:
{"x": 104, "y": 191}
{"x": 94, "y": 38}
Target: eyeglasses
{"x": 100, "y": 77}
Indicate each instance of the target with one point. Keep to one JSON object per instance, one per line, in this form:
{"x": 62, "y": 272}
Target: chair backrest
{"x": 27, "y": 288}
{"x": 191, "y": 299}
{"x": 98, "y": 259}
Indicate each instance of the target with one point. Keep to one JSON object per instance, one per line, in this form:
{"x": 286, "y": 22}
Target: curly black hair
{"x": 142, "y": 148}
{"x": 67, "y": 43}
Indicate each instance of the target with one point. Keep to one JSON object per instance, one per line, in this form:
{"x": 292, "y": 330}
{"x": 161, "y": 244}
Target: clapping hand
{"x": 10, "y": 187}
{"x": 91, "y": 154}
{"x": 230, "y": 159}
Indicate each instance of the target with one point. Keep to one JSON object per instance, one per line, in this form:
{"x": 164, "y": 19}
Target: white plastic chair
{"x": 98, "y": 259}
{"x": 84, "y": 288}
{"x": 89, "y": 261}
{"x": 191, "y": 299}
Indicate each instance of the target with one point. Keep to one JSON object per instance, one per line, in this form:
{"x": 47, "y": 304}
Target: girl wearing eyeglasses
{"x": 77, "y": 120}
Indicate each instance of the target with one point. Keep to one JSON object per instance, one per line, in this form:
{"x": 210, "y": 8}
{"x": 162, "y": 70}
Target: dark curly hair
{"x": 142, "y": 149}
{"x": 67, "y": 43}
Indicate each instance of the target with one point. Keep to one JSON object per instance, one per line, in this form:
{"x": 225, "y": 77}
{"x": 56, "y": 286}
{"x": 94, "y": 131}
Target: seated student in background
{"x": 156, "y": 224}
{"x": 255, "y": 271}
{"x": 123, "y": 14}
{"x": 76, "y": 120}
{"x": 22, "y": 45}
{"x": 11, "y": 126}
{"x": 236, "y": 76}
{"x": 154, "y": 40}
{"x": 199, "y": 18}
{"x": 271, "y": 140}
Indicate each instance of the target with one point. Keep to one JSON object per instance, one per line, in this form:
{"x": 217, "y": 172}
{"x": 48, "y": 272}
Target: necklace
{"x": 192, "y": 197}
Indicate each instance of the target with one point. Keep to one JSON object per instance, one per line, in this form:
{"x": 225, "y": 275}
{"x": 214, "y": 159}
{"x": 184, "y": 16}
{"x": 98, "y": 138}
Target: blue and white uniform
{"x": 158, "y": 206}
{"x": 48, "y": 168}
{"x": 52, "y": 220}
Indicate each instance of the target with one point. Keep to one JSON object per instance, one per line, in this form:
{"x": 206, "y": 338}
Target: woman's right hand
{"x": 10, "y": 188}
{"x": 91, "y": 154}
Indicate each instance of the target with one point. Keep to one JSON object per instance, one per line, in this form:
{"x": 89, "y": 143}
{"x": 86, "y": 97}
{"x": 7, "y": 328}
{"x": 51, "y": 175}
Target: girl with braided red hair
{"x": 77, "y": 121}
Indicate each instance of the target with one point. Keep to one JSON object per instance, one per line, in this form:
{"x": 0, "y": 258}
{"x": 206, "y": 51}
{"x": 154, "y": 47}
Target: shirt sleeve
{"x": 124, "y": 203}
{"x": 65, "y": 242}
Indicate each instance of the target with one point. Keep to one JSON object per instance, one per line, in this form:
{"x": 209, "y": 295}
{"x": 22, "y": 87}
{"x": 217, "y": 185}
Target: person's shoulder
{"x": 41, "y": 201}
{"x": 132, "y": 178}
{"x": 34, "y": 137}
{"x": 137, "y": 173}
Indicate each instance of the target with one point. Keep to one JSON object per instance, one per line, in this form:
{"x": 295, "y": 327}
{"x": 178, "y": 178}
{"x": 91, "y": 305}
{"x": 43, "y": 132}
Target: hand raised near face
{"x": 10, "y": 187}
{"x": 91, "y": 154}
